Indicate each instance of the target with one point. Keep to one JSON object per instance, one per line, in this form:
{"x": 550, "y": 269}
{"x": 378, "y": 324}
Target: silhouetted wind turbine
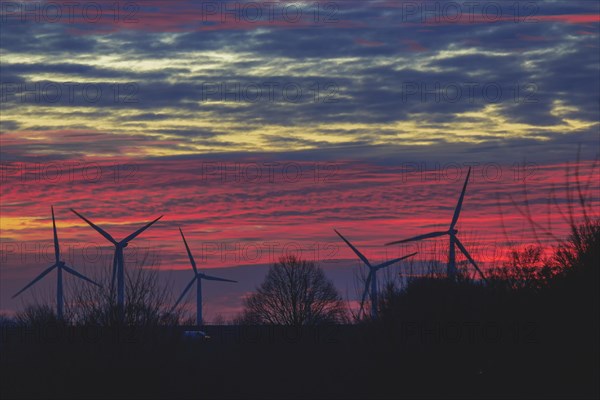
{"x": 118, "y": 260}
{"x": 60, "y": 266}
{"x": 452, "y": 231}
{"x": 198, "y": 276}
{"x": 371, "y": 277}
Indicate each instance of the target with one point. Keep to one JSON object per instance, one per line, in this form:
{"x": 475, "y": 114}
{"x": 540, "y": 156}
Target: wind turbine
{"x": 118, "y": 260}
{"x": 452, "y": 231}
{"x": 60, "y": 266}
{"x": 371, "y": 277}
{"x": 198, "y": 276}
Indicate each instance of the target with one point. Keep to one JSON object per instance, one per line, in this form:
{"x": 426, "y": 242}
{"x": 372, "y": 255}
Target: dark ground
{"x": 468, "y": 359}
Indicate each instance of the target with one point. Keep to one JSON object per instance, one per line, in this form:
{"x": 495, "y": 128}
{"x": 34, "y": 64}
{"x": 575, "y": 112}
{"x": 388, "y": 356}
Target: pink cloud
{"x": 413, "y": 45}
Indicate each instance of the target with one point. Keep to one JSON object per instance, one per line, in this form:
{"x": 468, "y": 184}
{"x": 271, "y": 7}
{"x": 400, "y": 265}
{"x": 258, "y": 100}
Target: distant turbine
{"x": 451, "y": 269}
{"x": 60, "y": 266}
{"x": 118, "y": 260}
{"x": 198, "y": 276}
{"x": 371, "y": 277}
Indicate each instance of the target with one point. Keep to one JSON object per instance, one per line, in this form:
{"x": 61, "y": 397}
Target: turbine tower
{"x": 198, "y": 276}
{"x": 451, "y": 232}
{"x": 60, "y": 266}
{"x": 118, "y": 260}
{"x": 371, "y": 277}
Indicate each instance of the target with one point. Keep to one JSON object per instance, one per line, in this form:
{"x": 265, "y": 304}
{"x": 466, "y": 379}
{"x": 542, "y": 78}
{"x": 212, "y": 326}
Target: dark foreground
{"x": 468, "y": 359}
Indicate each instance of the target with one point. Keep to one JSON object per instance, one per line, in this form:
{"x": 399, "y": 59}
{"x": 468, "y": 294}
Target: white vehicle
{"x": 196, "y": 334}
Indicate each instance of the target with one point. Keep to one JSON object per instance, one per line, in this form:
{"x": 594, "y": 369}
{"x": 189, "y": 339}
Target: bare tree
{"x": 37, "y": 314}
{"x": 146, "y": 304}
{"x": 526, "y": 268}
{"x": 295, "y": 292}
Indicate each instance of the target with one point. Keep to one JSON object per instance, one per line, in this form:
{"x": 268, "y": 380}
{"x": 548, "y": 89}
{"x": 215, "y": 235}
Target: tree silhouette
{"x": 295, "y": 292}
{"x": 146, "y": 302}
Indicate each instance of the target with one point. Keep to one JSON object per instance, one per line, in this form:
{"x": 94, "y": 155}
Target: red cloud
{"x": 413, "y": 45}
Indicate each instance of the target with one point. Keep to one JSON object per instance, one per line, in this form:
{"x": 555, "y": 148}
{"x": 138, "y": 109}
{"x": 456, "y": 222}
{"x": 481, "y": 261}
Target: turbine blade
{"x": 466, "y": 253}
{"x": 56, "y": 247}
{"x": 189, "y": 253}
{"x": 420, "y": 237}
{"x": 79, "y": 275}
{"x": 214, "y": 278}
{"x": 460, "y": 201}
{"x": 187, "y": 288}
{"x": 395, "y": 260}
{"x": 358, "y": 253}
{"x": 364, "y": 296}
{"x": 142, "y": 229}
{"x": 40, "y": 276}
{"x": 96, "y": 227}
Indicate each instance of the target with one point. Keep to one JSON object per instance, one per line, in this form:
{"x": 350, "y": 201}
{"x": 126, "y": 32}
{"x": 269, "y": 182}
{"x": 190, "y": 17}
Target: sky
{"x": 258, "y": 127}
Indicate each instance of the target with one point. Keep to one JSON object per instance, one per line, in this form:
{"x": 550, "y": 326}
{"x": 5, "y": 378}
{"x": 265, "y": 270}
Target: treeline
{"x": 561, "y": 289}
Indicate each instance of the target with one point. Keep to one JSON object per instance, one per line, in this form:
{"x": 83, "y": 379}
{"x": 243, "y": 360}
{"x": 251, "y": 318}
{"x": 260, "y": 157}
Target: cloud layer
{"x": 256, "y": 128}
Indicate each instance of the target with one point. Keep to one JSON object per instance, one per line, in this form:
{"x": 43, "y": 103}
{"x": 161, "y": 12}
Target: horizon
{"x": 218, "y": 246}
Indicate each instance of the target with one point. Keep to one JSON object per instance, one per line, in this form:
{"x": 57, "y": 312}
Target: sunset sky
{"x": 258, "y": 128}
